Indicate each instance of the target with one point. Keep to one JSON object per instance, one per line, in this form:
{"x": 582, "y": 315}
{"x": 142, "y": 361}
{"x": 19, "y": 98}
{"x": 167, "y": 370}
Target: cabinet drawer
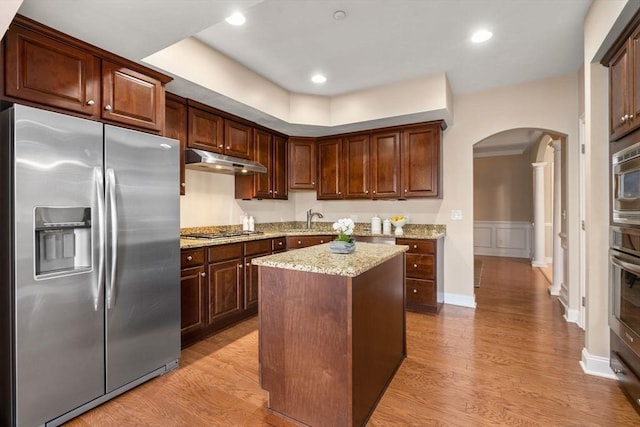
{"x": 420, "y": 266}
{"x": 279, "y": 244}
{"x": 191, "y": 257}
{"x": 225, "y": 252}
{"x": 420, "y": 292}
{"x": 257, "y": 247}
{"x": 418, "y": 246}
{"x": 297, "y": 242}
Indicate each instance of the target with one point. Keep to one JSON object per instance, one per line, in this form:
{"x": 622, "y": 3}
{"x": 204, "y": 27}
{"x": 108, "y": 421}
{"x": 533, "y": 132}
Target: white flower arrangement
{"x": 344, "y": 227}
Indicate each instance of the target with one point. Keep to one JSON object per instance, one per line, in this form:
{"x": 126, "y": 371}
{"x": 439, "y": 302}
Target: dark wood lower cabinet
{"x": 219, "y": 286}
{"x": 424, "y": 269}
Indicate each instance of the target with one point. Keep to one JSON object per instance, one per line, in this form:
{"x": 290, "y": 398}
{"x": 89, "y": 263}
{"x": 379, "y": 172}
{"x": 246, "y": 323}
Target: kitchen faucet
{"x": 310, "y": 216}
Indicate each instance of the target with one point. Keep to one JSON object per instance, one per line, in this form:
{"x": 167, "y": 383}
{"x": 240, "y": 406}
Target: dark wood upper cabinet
{"x": 279, "y": 166}
{"x": 355, "y": 150}
{"x": 624, "y": 87}
{"x": 329, "y": 157}
{"x": 175, "y": 126}
{"x": 131, "y": 98}
{"x": 385, "y": 165}
{"x": 302, "y": 163}
{"x": 48, "y": 69}
{"x": 238, "y": 139}
{"x": 205, "y": 130}
{"x": 51, "y": 72}
{"x": 421, "y": 161}
{"x": 263, "y": 181}
{"x": 270, "y": 150}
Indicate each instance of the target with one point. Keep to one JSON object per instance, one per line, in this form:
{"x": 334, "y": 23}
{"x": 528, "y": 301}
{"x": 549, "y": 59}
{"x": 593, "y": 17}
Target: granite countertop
{"x": 319, "y": 259}
{"x": 284, "y": 229}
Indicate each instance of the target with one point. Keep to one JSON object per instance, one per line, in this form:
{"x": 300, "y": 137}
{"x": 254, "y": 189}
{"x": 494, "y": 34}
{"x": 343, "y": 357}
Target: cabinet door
{"x": 238, "y": 139}
{"x": 132, "y": 98}
{"x": 205, "y": 130}
{"x": 279, "y": 168}
{"x": 385, "y": 165}
{"x": 421, "y": 161}
{"x": 225, "y": 290}
{"x": 48, "y": 72}
{"x": 175, "y": 126}
{"x": 329, "y": 182}
{"x": 619, "y": 92}
{"x": 263, "y": 153}
{"x": 251, "y": 283}
{"x": 302, "y": 164}
{"x": 356, "y": 166}
{"x": 192, "y": 300}
{"x": 634, "y": 80}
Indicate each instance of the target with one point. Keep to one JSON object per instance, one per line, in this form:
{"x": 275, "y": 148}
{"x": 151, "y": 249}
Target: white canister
{"x": 386, "y": 226}
{"x": 252, "y": 224}
{"x": 376, "y": 225}
{"x": 245, "y": 223}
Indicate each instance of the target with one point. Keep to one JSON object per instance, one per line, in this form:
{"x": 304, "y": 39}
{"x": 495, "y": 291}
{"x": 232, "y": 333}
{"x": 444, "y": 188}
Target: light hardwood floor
{"x": 513, "y": 361}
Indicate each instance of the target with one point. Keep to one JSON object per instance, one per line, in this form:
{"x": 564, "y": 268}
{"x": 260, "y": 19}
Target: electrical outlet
{"x": 456, "y": 215}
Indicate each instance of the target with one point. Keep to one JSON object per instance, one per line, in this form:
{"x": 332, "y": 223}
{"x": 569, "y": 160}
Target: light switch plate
{"x": 456, "y": 215}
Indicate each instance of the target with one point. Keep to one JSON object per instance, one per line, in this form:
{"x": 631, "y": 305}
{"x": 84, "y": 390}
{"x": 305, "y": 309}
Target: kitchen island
{"x": 332, "y": 330}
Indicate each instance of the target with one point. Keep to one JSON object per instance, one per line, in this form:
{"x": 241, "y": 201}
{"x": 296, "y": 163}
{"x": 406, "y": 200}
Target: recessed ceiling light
{"x": 236, "y": 19}
{"x": 481, "y": 36}
{"x": 318, "y": 78}
{"x": 339, "y": 15}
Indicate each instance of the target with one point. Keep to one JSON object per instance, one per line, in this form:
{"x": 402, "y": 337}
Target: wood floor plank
{"x": 513, "y": 361}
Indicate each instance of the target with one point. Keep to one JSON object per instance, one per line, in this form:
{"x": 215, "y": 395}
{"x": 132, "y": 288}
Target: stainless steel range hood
{"x": 219, "y": 163}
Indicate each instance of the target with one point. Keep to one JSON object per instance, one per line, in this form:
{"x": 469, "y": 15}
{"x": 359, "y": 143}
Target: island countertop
{"x": 319, "y": 259}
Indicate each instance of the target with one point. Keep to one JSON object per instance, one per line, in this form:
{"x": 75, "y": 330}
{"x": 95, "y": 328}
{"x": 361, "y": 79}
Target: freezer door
{"x": 143, "y": 277}
{"x": 59, "y": 307}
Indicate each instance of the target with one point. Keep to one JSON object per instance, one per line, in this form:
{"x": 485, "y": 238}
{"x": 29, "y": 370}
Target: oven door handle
{"x": 625, "y": 265}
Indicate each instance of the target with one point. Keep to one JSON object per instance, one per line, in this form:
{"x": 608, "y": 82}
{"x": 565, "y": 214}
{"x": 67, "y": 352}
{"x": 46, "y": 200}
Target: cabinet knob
{"x": 91, "y": 102}
{"x": 415, "y": 246}
{"x": 374, "y": 191}
{"x": 182, "y": 184}
{"x": 321, "y": 241}
{"x": 189, "y": 258}
{"x": 415, "y": 291}
{"x": 299, "y": 242}
{"x": 279, "y": 243}
{"x": 313, "y": 183}
{"x": 107, "y": 107}
{"x": 220, "y": 146}
{"x": 618, "y": 371}
{"x": 339, "y": 192}
{"x": 629, "y": 116}
{"x": 366, "y": 191}
{"x": 406, "y": 191}
{"x": 275, "y": 192}
{"x": 248, "y": 264}
{"x": 270, "y": 191}
{"x": 203, "y": 274}
{"x": 415, "y": 265}
{"x": 623, "y": 119}
{"x": 228, "y": 148}
{"x": 239, "y": 265}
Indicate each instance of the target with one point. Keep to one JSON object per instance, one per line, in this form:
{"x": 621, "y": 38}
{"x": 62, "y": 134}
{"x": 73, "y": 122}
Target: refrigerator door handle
{"x": 99, "y": 182}
{"x": 113, "y": 214}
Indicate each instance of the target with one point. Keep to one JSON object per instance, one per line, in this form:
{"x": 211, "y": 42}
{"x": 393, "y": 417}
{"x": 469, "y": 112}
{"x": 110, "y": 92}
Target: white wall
{"x": 600, "y": 19}
{"x": 8, "y": 9}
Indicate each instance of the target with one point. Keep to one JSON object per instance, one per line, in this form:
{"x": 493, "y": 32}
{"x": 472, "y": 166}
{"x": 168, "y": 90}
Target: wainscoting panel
{"x": 502, "y": 238}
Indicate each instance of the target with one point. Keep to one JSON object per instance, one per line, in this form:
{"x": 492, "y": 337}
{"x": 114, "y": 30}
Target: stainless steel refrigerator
{"x": 89, "y": 263}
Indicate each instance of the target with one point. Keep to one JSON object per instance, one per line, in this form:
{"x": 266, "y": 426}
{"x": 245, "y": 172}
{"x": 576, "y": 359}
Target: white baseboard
{"x": 572, "y": 316}
{"x": 461, "y": 300}
{"x": 596, "y": 365}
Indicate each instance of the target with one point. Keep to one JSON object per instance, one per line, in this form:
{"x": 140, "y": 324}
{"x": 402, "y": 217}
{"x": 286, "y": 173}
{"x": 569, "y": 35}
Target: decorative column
{"x": 538, "y": 215}
{"x": 558, "y": 251}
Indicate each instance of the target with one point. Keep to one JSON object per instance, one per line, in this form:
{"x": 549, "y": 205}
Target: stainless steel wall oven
{"x": 625, "y": 171}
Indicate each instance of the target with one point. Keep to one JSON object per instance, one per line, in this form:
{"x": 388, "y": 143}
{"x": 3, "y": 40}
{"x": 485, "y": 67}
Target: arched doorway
{"x": 520, "y": 203}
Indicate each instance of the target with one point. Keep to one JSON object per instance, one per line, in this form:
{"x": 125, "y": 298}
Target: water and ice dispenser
{"x": 62, "y": 240}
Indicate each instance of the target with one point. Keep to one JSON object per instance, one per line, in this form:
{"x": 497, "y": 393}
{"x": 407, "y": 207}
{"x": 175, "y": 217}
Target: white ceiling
{"x": 379, "y": 42}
